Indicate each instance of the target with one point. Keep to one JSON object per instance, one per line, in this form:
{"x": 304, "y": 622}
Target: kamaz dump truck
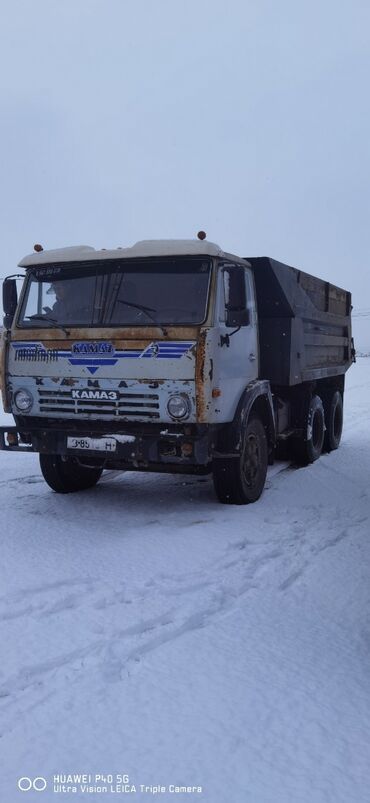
{"x": 171, "y": 356}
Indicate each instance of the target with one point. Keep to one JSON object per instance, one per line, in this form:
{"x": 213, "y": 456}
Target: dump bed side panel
{"x": 304, "y": 324}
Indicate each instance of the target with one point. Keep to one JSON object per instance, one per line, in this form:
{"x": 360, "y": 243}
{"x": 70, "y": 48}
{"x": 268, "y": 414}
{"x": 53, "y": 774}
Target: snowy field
{"x": 149, "y": 631}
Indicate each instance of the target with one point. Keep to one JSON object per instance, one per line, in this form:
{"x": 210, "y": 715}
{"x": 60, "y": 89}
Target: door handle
{"x": 252, "y": 357}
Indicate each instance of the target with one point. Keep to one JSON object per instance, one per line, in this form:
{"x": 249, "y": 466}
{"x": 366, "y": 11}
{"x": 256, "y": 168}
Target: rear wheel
{"x": 240, "y": 480}
{"x": 308, "y": 448}
{"x": 333, "y": 421}
{"x": 66, "y": 474}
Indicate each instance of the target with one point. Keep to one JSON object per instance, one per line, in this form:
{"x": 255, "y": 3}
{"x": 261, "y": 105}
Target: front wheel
{"x": 240, "y": 480}
{"x": 66, "y": 474}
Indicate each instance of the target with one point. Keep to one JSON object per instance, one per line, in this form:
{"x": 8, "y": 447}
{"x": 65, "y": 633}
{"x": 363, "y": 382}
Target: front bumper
{"x": 152, "y": 448}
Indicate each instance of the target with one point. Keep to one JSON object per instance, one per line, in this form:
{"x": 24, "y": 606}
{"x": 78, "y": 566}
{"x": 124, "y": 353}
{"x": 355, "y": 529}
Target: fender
{"x": 230, "y": 437}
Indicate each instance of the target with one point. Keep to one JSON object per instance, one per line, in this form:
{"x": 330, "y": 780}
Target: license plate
{"x": 92, "y": 444}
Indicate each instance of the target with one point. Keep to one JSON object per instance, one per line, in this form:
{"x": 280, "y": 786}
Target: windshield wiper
{"x": 147, "y": 310}
{"x": 137, "y": 306}
{"x": 46, "y": 318}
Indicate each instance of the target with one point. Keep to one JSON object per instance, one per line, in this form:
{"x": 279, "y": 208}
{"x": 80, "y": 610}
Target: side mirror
{"x": 235, "y": 296}
{"x": 10, "y": 301}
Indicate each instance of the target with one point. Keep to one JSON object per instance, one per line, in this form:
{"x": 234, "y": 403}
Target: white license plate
{"x": 92, "y": 444}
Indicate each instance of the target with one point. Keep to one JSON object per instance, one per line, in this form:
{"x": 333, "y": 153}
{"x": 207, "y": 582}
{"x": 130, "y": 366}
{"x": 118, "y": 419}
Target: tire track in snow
{"x": 203, "y": 595}
{"x": 30, "y": 479}
{"x": 118, "y": 647}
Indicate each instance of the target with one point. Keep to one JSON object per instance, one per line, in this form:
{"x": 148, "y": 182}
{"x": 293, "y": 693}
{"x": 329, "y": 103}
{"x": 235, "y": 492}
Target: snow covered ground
{"x": 149, "y": 631}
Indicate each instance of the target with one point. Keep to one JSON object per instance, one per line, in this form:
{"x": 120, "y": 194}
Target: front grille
{"x": 145, "y": 405}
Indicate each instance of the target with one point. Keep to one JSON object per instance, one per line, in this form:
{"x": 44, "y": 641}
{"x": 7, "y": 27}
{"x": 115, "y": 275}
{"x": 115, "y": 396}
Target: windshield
{"x": 170, "y": 291}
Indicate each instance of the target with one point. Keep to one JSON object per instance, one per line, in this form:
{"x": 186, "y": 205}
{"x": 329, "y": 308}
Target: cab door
{"x": 236, "y": 345}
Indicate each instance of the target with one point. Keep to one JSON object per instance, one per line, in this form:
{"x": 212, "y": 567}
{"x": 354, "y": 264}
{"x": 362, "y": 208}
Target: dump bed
{"x": 304, "y": 324}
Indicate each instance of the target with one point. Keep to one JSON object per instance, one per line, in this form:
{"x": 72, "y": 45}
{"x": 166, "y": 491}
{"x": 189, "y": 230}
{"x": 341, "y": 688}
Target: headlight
{"x": 179, "y": 406}
{"x": 23, "y": 400}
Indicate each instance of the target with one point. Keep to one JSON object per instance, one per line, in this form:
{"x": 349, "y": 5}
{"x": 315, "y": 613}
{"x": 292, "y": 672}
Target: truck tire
{"x": 240, "y": 480}
{"x": 66, "y": 475}
{"x": 333, "y": 421}
{"x": 308, "y": 448}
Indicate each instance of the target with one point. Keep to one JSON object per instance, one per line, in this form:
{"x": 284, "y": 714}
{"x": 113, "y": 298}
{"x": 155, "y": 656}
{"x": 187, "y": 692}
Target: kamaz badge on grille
{"x": 95, "y": 395}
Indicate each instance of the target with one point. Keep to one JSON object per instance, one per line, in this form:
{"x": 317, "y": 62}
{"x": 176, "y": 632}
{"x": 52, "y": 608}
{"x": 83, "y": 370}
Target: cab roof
{"x": 143, "y": 248}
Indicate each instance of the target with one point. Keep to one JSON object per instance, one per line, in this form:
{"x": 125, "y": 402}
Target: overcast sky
{"x": 156, "y": 118}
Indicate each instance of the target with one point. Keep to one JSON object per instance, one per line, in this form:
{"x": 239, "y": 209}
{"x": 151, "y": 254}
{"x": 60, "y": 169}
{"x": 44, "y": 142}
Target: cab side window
{"x": 226, "y": 295}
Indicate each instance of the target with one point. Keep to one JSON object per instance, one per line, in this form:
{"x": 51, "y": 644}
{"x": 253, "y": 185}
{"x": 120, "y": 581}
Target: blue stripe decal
{"x": 159, "y": 350}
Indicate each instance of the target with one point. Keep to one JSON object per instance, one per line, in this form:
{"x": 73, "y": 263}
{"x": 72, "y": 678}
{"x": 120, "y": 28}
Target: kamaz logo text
{"x": 93, "y": 348}
{"x": 95, "y": 395}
